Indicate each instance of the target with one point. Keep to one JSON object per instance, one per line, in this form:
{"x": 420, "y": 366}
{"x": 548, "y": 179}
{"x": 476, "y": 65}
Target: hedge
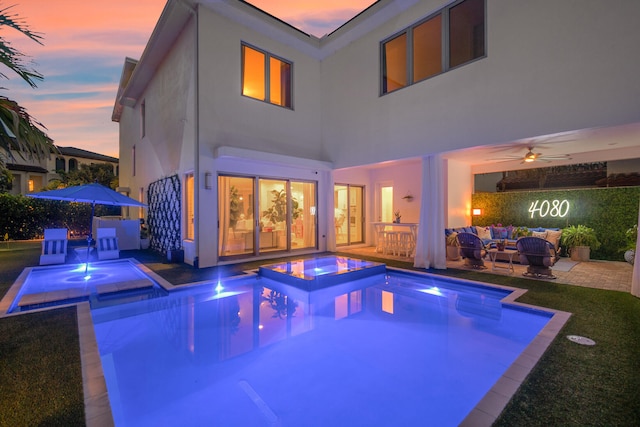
{"x": 24, "y": 218}
{"x": 609, "y": 211}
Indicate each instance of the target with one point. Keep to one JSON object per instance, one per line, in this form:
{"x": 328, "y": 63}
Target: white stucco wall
{"x": 458, "y": 194}
{"x": 551, "y": 66}
{"x": 167, "y": 147}
{"x": 230, "y": 119}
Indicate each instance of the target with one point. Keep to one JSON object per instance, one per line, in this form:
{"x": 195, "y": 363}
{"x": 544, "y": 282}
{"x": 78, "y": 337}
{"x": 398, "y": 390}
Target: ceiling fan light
{"x": 529, "y": 159}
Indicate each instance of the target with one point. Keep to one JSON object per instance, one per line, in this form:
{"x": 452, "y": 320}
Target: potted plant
{"x": 234, "y": 207}
{"x": 398, "y": 216}
{"x": 453, "y": 251}
{"x": 520, "y": 232}
{"x": 579, "y": 240}
{"x": 277, "y": 212}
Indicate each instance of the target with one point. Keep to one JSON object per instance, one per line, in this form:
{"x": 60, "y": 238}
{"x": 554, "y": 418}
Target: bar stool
{"x": 381, "y": 241}
{"x": 391, "y": 243}
{"x": 404, "y": 243}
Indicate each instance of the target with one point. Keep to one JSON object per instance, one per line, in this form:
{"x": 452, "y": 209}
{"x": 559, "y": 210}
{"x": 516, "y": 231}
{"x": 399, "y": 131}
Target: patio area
{"x": 597, "y": 274}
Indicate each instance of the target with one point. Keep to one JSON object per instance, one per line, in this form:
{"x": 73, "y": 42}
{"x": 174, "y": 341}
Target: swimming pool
{"x": 391, "y": 349}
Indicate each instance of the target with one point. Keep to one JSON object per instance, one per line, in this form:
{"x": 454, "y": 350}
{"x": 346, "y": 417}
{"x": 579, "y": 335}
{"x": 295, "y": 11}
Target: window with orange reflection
{"x": 280, "y": 82}
{"x": 253, "y": 75}
{"x": 189, "y": 203}
{"x": 395, "y": 64}
{"x": 450, "y": 37}
{"x": 266, "y": 77}
{"x": 427, "y": 49}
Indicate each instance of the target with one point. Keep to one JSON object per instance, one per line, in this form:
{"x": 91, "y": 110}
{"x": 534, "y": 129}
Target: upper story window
{"x": 266, "y": 77}
{"x": 61, "y": 164}
{"x": 143, "y": 119}
{"x": 453, "y": 36}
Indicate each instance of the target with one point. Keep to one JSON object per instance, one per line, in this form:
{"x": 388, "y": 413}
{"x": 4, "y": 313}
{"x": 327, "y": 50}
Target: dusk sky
{"x": 85, "y": 43}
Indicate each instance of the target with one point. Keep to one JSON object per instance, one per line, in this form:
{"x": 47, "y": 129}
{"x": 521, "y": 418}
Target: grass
{"x": 580, "y": 385}
{"x": 41, "y": 377}
{"x": 573, "y": 385}
{"x": 40, "y": 374}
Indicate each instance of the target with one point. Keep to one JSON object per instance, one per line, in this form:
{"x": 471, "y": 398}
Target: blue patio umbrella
{"x": 89, "y": 193}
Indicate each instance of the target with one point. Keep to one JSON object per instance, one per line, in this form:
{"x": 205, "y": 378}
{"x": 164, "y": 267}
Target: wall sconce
{"x": 476, "y": 212}
{"x": 408, "y": 197}
{"x": 207, "y": 180}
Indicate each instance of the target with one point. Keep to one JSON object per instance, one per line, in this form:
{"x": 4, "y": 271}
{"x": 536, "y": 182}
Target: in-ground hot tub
{"x": 318, "y": 273}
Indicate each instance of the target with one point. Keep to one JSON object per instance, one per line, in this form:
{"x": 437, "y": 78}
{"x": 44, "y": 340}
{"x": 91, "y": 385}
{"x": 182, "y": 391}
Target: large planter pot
{"x": 630, "y": 256}
{"x": 453, "y": 253}
{"x": 144, "y": 243}
{"x": 580, "y": 253}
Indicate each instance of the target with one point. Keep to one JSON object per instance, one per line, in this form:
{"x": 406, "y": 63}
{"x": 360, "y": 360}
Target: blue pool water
{"x": 101, "y": 283}
{"x": 393, "y": 349}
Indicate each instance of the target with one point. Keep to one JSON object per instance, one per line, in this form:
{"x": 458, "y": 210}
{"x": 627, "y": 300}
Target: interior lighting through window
{"x": 266, "y": 77}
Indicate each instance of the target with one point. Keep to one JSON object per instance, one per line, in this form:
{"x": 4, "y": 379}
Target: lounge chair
{"x": 54, "y": 246}
{"x": 539, "y": 254}
{"x": 107, "y": 244}
{"x": 472, "y": 249}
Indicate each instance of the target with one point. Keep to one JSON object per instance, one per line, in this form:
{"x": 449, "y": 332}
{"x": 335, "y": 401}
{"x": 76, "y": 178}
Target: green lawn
{"x": 573, "y": 385}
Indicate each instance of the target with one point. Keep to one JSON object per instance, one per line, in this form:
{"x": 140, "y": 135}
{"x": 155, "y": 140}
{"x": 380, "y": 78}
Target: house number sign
{"x": 554, "y": 208}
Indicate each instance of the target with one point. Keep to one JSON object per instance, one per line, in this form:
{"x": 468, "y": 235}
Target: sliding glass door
{"x": 348, "y": 213}
{"x": 236, "y": 215}
{"x": 274, "y": 210}
{"x": 261, "y": 215}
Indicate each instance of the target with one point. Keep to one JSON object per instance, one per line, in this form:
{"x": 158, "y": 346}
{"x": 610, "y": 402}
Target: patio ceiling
{"x": 581, "y": 146}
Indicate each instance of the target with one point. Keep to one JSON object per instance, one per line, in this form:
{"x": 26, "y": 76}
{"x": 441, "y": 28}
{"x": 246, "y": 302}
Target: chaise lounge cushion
{"x": 54, "y": 247}
{"x": 108, "y": 244}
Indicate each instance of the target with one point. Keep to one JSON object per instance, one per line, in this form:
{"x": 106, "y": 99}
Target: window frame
{"x": 445, "y": 51}
{"x": 267, "y": 75}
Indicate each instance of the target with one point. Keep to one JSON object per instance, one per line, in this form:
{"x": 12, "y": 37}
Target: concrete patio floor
{"x": 610, "y": 275}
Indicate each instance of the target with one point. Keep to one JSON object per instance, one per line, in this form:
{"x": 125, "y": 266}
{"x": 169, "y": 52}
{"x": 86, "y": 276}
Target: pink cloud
{"x": 85, "y": 43}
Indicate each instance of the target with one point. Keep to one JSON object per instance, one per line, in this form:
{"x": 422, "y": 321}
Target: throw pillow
{"x": 484, "y": 232}
{"x": 541, "y": 234}
{"x": 553, "y": 237}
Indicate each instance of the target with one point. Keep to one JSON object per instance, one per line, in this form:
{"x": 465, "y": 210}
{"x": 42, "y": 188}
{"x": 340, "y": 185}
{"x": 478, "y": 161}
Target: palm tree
{"x": 18, "y": 130}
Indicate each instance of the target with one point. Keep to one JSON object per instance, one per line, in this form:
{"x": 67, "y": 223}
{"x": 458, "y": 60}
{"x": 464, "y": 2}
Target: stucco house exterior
{"x": 264, "y": 140}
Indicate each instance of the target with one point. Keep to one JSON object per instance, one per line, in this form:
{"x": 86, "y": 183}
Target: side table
{"x": 493, "y": 254}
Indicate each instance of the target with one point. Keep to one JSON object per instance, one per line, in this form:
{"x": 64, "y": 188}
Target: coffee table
{"x": 493, "y": 254}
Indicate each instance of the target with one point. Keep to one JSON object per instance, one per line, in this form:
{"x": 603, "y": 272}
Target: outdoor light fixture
{"x": 476, "y": 211}
{"x": 207, "y": 180}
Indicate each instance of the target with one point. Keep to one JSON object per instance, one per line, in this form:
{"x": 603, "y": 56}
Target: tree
{"x": 18, "y": 130}
{"x": 102, "y": 173}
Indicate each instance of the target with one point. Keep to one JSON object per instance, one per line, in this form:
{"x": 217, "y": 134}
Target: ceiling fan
{"x": 530, "y": 157}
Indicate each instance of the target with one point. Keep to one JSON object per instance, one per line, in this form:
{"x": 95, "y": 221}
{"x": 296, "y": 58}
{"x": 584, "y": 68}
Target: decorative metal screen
{"x": 165, "y": 214}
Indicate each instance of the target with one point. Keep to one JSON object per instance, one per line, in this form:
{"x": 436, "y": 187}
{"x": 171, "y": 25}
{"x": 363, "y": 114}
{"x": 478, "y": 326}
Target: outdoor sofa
{"x": 491, "y": 234}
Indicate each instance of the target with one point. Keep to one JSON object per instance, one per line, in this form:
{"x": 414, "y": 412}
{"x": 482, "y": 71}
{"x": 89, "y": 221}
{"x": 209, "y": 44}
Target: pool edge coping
{"x": 493, "y": 403}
